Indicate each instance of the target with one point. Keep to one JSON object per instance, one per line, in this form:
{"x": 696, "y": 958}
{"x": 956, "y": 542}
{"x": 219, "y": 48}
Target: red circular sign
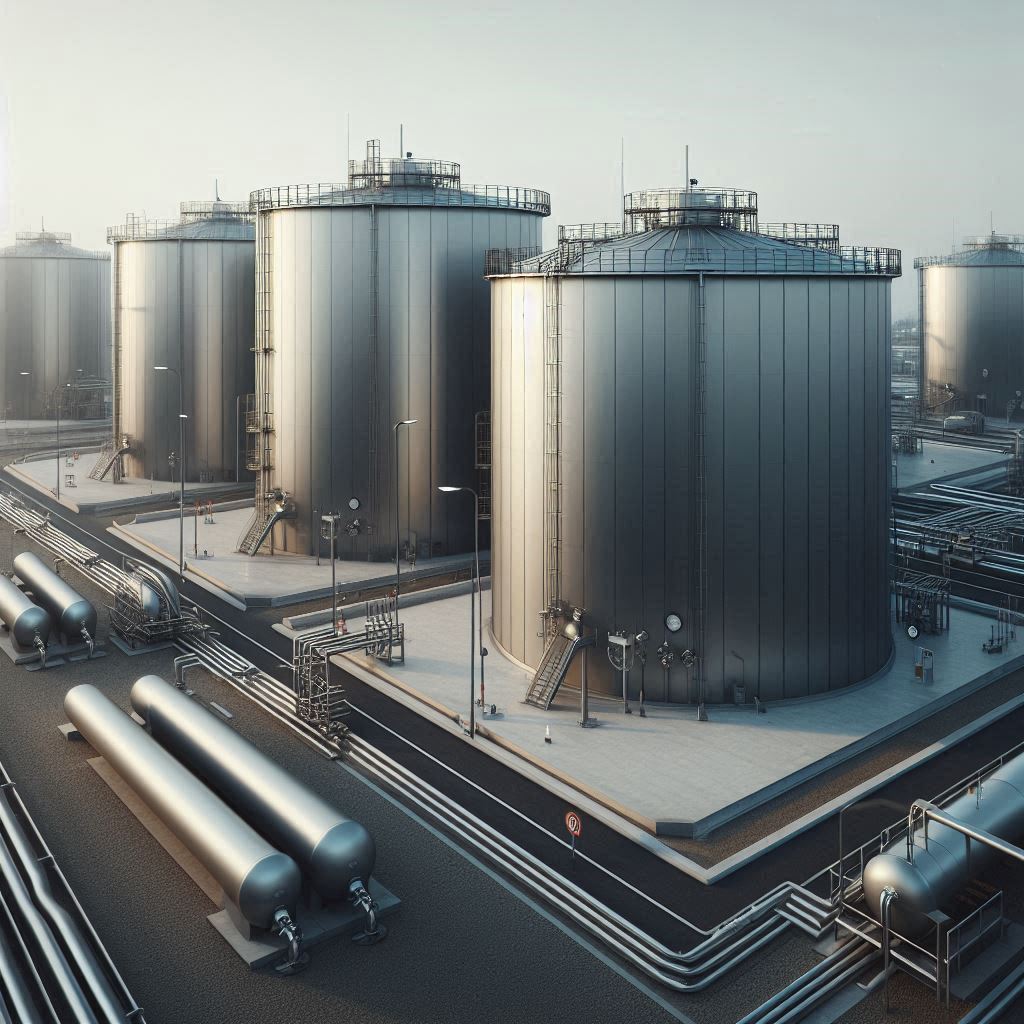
{"x": 573, "y": 823}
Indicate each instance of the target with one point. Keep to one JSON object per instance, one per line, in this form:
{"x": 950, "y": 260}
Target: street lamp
{"x": 474, "y": 632}
{"x": 26, "y": 373}
{"x": 181, "y": 468}
{"x": 398, "y": 543}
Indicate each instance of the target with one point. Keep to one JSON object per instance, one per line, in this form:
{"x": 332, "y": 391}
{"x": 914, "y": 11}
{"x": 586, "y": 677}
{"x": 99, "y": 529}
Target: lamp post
{"x": 26, "y": 373}
{"x": 181, "y": 468}
{"x": 398, "y": 543}
{"x": 476, "y": 635}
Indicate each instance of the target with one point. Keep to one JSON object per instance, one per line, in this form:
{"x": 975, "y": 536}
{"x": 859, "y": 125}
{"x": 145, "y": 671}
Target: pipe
{"x": 21, "y": 1006}
{"x": 58, "y": 919}
{"x": 332, "y": 850}
{"x": 73, "y": 997}
{"x": 258, "y": 879}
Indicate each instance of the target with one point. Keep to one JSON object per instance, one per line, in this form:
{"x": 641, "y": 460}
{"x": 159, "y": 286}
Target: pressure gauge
{"x": 353, "y": 503}
{"x": 673, "y": 623}
{"x": 913, "y": 632}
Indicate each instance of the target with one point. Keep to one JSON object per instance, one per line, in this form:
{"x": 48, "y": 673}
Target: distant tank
{"x": 54, "y": 327}
{"x": 183, "y": 300}
{"x": 27, "y": 624}
{"x": 972, "y": 321}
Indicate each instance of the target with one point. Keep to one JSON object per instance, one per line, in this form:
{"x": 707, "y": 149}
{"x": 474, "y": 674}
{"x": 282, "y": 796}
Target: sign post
{"x": 574, "y": 825}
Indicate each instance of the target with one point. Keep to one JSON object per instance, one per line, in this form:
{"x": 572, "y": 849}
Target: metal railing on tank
{"x": 671, "y": 207}
{"x": 504, "y": 197}
{"x": 595, "y": 258}
{"x": 821, "y": 236}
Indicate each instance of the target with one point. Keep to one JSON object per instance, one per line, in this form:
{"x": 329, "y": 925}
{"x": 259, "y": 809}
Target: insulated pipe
{"x": 71, "y": 613}
{"x": 258, "y": 879}
{"x": 26, "y": 622}
{"x": 58, "y": 919}
{"x": 332, "y": 850}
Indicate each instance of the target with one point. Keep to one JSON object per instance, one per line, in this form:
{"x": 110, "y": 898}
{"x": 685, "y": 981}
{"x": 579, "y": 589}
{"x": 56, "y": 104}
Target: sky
{"x": 897, "y": 120}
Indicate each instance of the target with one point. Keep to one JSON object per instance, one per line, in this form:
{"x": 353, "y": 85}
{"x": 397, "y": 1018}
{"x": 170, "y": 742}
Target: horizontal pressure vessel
{"x": 69, "y": 611}
{"x": 258, "y": 879}
{"x": 332, "y": 850}
{"x": 940, "y": 870}
{"x": 24, "y": 620}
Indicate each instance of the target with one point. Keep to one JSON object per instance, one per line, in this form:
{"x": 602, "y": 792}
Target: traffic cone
{"x": 547, "y": 733}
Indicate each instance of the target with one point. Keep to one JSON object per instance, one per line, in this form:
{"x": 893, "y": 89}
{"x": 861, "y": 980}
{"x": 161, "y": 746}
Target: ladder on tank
{"x": 554, "y": 667}
{"x": 264, "y": 519}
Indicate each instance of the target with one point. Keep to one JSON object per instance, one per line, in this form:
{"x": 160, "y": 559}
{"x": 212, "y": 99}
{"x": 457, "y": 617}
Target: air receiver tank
{"x": 939, "y": 872}
{"x": 70, "y": 612}
{"x": 260, "y": 880}
{"x": 333, "y": 850}
{"x": 26, "y": 622}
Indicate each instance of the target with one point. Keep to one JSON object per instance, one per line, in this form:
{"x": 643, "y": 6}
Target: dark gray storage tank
{"x": 183, "y": 298}
{"x": 972, "y": 325}
{"x": 373, "y": 308}
{"x": 54, "y": 324}
{"x": 761, "y": 520}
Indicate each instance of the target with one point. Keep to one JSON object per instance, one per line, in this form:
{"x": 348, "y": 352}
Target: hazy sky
{"x": 896, "y": 120}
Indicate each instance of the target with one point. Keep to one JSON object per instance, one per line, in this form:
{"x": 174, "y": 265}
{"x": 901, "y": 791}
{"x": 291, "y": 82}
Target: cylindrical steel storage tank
{"x": 373, "y": 309}
{"x": 24, "y": 620}
{"x": 68, "y": 610}
{"x": 972, "y": 321}
{"x": 183, "y": 299}
{"x": 941, "y": 868}
{"x": 691, "y": 420}
{"x": 332, "y": 850}
{"x": 54, "y": 322}
{"x": 258, "y": 879}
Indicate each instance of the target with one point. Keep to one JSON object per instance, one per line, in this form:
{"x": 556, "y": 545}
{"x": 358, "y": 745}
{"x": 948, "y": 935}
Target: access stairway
{"x": 108, "y": 457}
{"x": 553, "y": 667}
{"x": 262, "y": 522}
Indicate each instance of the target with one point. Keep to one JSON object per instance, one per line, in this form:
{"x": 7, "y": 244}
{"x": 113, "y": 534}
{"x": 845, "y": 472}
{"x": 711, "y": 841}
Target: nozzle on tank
{"x": 292, "y": 934}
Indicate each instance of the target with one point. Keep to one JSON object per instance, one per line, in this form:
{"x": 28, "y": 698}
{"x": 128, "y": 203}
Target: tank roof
{"x": 992, "y": 250}
{"x": 48, "y": 245}
{"x": 402, "y": 181}
{"x": 217, "y": 220}
{"x": 696, "y": 230}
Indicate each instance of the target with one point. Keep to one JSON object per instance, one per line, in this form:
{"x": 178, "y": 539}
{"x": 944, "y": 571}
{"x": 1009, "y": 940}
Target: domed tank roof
{"x": 709, "y": 230}
{"x": 990, "y": 250}
{"x": 403, "y": 181}
{"x": 48, "y": 245}
{"x": 217, "y": 220}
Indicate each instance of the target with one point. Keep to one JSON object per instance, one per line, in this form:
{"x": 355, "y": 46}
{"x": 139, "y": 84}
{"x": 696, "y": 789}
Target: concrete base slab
{"x": 57, "y": 654}
{"x": 125, "y": 648}
{"x": 987, "y": 969}
{"x": 266, "y": 580}
{"x": 96, "y": 496}
{"x": 318, "y": 926}
{"x": 69, "y": 732}
{"x": 668, "y": 790}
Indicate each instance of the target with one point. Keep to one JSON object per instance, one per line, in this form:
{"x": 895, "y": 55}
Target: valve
{"x": 90, "y": 643}
{"x": 289, "y": 931}
{"x": 374, "y": 931}
{"x": 666, "y": 655}
{"x": 41, "y": 648}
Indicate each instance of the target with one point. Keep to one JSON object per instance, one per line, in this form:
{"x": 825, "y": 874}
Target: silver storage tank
{"x": 68, "y": 610}
{"x": 257, "y": 878}
{"x": 183, "y": 298}
{"x": 332, "y": 850}
{"x": 54, "y": 321}
{"x": 26, "y": 622}
{"x": 603, "y": 352}
{"x": 373, "y": 309}
{"x": 972, "y": 320}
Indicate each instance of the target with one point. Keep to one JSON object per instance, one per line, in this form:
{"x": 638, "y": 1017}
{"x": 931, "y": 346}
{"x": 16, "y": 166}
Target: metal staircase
{"x": 551, "y": 672}
{"x": 109, "y": 458}
{"x": 268, "y": 513}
